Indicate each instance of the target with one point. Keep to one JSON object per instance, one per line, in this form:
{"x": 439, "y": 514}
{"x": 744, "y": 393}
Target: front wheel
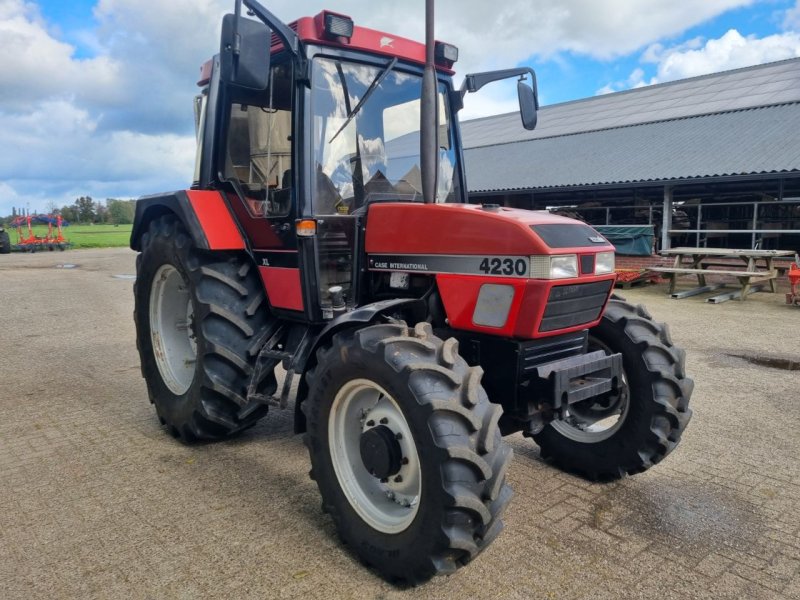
{"x": 634, "y": 428}
{"x": 406, "y": 450}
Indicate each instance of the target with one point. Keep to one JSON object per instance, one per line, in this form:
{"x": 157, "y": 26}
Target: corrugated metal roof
{"x": 743, "y": 142}
{"x": 762, "y": 85}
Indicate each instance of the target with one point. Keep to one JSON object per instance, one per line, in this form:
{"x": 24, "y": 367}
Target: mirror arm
{"x": 475, "y": 81}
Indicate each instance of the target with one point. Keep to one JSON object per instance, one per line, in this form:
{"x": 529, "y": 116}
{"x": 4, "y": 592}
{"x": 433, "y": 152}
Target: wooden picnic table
{"x": 757, "y": 266}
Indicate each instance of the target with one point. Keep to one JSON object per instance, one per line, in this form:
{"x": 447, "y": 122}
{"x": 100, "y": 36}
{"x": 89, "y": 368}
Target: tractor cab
{"x": 308, "y": 126}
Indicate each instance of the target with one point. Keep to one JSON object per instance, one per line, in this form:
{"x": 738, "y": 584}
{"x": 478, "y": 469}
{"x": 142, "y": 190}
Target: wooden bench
{"x": 680, "y": 271}
{"x": 696, "y": 261}
{"x": 746, "y": 278}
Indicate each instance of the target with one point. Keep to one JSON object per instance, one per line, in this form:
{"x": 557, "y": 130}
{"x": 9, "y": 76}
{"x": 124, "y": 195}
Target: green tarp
{"x": 632, "y": 240}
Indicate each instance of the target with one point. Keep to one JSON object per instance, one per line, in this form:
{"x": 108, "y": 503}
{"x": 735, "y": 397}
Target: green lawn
{"x": 85, "y": 236}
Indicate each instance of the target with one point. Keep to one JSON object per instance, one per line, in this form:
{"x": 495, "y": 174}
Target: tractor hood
{"x": 470, "y": 229}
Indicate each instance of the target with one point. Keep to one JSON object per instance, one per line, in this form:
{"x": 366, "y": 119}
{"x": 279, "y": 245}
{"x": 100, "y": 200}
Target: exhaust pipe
{"x": 429, "y": 121}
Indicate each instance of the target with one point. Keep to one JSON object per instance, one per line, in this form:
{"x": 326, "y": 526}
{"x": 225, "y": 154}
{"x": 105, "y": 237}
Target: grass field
{"x": 86, "y": 236}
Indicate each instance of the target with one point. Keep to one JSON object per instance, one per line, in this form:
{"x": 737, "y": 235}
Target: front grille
{"x": 571, "y": 305}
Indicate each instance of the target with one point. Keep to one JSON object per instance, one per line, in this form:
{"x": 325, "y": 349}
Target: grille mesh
{"x": 571, "y": 305}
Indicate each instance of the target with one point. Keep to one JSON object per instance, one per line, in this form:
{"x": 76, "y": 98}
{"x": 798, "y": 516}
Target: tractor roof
{"x": 311, "y": 30}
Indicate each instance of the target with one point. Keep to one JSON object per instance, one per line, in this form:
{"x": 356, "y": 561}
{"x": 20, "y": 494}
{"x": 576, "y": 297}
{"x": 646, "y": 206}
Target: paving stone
{"x": 96, "y": 501}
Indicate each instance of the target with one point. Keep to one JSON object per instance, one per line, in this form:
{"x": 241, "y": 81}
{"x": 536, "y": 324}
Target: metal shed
{"x": 723, "y": 144}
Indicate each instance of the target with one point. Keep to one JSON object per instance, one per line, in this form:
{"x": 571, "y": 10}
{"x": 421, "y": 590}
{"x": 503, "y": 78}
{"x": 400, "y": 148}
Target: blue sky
{"x": 96, "y": 95}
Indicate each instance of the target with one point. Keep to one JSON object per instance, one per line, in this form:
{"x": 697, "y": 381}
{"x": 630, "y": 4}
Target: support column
{"x": 666, "y": 218}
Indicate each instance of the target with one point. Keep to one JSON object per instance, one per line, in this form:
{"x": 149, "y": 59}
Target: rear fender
{"x": 205, "y": 214}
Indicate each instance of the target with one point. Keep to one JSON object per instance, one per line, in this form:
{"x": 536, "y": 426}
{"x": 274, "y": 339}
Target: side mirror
{"x": 528, "y": 95}
{"x": 528, "y": 104}
{"x": 244, "y": 53}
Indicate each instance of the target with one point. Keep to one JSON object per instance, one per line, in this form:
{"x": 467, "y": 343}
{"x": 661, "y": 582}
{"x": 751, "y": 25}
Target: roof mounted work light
{"x": 445, "y": 53}
{"x": 338, "y": 25}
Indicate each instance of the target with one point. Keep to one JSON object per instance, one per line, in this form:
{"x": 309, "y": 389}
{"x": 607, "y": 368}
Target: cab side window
{"x": 259, "y": 146}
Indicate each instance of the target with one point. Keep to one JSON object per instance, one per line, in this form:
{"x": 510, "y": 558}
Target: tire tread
{"x": 229, "y": 297}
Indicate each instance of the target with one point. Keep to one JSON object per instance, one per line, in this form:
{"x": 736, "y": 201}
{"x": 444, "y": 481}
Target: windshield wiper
{"x": 372, "y": 86}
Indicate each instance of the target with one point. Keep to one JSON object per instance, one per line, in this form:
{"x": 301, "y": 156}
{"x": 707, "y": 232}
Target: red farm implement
{"x": 27, "y": 241}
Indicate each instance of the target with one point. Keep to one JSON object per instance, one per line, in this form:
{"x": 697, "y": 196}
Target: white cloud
{"x": 608, "y": 88}
{"x": 513, "y": 30}
{"x": 163, "y": 43}
{"x": 635, "y": 80}
{"x": 791, "y": 19}
{"x": 121, "y": 120}
{"x": 10, "y": 198}
{"x": 66, "y": 157}
{"x": 35, "y": 65}
{"x": 483, "y": 104}
{"x": 698, "y": 57}
{"x": 731, "y": 51}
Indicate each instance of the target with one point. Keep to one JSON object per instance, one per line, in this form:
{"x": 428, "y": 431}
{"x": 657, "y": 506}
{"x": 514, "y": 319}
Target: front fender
{"x": 306, "y": 360}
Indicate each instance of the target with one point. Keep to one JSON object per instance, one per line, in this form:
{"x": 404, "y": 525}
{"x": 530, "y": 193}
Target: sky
{"x": 96, "y": 95}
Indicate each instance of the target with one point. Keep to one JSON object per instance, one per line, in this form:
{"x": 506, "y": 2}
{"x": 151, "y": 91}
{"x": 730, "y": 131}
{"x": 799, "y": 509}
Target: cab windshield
{"x": 374, "y": 156}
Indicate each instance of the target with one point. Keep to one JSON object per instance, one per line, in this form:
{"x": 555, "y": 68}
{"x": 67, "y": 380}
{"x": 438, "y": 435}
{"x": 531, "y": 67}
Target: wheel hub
{"x": 374, "y": 456}
{"x": 381, "y": 452}
{"x": 593, "y": 410}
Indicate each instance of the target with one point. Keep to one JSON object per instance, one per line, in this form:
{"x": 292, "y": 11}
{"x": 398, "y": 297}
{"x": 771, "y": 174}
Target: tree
{"x": 85, "y": 209}
{"x": 100, "y": 213}
{"x": 69, "y": 214}
{"x": 121, "y": 211}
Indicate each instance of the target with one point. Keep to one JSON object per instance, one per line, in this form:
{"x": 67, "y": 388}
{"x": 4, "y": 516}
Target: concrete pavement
{"x": 96, "y": 500}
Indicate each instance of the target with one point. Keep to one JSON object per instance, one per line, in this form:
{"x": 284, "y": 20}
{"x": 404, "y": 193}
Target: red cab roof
{"x": 311, "y": 30}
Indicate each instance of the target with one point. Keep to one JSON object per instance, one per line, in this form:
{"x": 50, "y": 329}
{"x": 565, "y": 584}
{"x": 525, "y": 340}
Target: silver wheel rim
{"x": 172, "y": 329}
{"x": 579, "y": 428}
{"x": 594, "y": 432}
{"x": 389, "y": 505}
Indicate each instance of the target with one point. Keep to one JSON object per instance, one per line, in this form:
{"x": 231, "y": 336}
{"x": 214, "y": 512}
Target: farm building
{"x": 708, "y": 161}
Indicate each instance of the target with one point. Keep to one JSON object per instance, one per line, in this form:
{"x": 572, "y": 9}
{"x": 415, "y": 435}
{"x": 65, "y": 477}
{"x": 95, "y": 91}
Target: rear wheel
{"x": 406, "y": 450}
{"x": 200, "y": 321}
{"x": 635, "y": 428}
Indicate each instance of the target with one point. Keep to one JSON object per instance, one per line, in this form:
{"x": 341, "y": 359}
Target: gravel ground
{"x": 97, "y": 501}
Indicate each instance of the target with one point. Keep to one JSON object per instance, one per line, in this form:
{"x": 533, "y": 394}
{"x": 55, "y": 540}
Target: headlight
{"x": 562, "y": 266}
{"x": 603, "y": 263}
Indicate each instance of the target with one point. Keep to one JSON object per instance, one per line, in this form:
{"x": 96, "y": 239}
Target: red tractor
{"x": 328, "y": 231}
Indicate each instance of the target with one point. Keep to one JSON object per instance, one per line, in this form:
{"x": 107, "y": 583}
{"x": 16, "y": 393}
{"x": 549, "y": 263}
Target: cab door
{"x": 258, "y": 166}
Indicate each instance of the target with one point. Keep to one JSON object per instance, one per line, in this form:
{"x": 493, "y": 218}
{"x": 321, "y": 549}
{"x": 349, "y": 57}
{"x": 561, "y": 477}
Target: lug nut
{"x": 398, "y": 436}
{"x": 404, "y": 461}
{"x": 384, "y": 421}
{"x": 370, "y": 423}
{"x": 398, "y": 479}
